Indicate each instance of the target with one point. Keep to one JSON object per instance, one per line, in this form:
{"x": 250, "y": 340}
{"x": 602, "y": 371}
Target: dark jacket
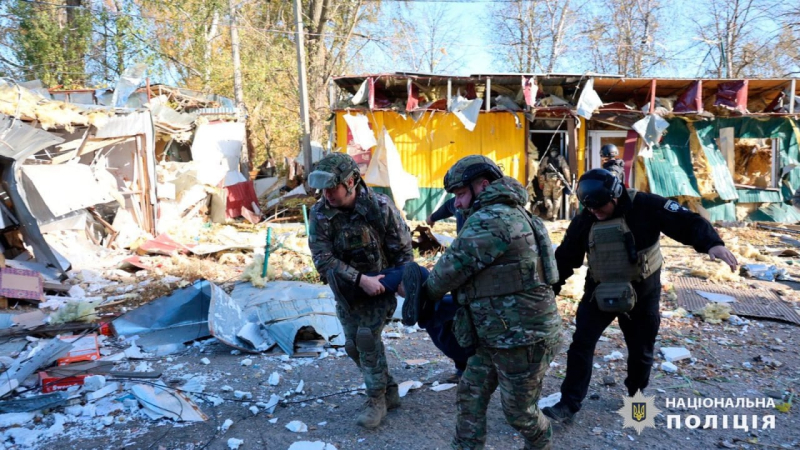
{"x": 448, "y": 210}
{"x": 617, "y": 167}
{"x": 647, "y": 216}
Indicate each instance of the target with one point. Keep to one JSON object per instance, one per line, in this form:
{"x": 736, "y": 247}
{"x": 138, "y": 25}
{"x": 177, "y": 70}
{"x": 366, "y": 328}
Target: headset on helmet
{"x": 333, "y": 170}
{"x": 597, "y": 187}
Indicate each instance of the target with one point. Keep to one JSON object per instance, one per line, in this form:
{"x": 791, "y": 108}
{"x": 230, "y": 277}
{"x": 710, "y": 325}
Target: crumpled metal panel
{"x": 164, "y": 324}
{"x": 761, "y": 302}
{"x": 283, "y": 308}
{"x": 18, "y": 141}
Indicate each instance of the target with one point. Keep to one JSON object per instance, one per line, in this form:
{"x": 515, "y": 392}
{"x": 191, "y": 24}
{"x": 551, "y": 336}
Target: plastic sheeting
{"x": 386, "y": 170}
{"x": 467, "y": 111}
{"x": 589, "y": 101}
{"x": 217, "y": 149}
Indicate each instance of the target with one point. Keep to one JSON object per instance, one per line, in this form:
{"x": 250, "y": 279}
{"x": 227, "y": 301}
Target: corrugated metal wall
{"x": 430, "y": 145}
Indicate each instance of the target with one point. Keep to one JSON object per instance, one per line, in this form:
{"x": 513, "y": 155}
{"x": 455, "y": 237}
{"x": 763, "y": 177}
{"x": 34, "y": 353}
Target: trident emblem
{"x": 639, "y": 411}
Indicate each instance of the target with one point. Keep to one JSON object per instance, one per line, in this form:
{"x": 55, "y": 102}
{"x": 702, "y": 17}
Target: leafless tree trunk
{"x": 211, "y": 33}
{"x": 533, "y": 33}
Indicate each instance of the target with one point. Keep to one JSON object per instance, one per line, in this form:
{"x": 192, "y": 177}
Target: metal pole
{"x": 792, "y": 95}
{"x": 301, "y": 69}
{"x": 449, "y": 94}
{"x": 488, "y": 94}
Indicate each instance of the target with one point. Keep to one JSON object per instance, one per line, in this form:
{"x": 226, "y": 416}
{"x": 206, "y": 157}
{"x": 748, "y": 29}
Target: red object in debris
{"x": 733, "y": 94}
{"x": 105, "y": 329}
{"x": 84, "y": 348}
{"x": 691, "y": 100}
{"x": 413, "y": 97}
{"x": 529, "y": 83}
{"x": 164, "y": 245}
{"x": 239, "y": 195}
{"x": 51, "y": 384}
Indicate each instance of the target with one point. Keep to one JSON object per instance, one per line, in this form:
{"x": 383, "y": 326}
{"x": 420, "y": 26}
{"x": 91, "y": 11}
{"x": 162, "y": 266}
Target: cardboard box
{"x": 21, "y": 283}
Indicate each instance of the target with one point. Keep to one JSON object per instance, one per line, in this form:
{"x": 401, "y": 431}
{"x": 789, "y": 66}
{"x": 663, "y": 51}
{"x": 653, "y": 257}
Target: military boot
{"x": 374, "y": 411}
{"x": 559, "y": 412}
{"x": 337, "y": 293}
{"x": 392, "y": 397}
{"x": 416, "y": 307}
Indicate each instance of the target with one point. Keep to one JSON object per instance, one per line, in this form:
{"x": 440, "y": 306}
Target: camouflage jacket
{"x": 502, "y": 264}
{"x": 370, "y": 238}
{"x": 559, "y": 163}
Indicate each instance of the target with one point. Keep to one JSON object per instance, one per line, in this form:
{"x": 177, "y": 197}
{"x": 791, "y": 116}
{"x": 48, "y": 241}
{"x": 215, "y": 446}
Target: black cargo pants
{"x": 639, "y": 327}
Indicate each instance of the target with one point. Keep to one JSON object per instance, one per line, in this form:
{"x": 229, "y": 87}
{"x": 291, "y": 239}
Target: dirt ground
{"x": 756, "y": 360}
{"x": 426, "y": 418}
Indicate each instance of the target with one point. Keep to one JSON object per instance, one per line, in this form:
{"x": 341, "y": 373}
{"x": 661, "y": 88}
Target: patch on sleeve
{"x": 673, "y": 206}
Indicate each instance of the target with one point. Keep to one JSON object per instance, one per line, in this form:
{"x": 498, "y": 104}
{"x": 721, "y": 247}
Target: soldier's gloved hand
{"x": 372, "y": 285}
{"x": 430, "y": 221}
{"x": 720, "y": 252}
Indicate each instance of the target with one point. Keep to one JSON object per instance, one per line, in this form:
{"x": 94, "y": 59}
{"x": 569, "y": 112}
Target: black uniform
{"x": 616, "y": 167}
{"x": 647, "y": 217}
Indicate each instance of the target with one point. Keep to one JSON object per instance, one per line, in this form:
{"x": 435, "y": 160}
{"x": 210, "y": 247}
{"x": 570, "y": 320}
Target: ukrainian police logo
{"x": 672, "y": 206}
{"x": 639, "y": 412}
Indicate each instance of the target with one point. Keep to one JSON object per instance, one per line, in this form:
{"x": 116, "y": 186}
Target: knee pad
{"x": 352, "y": 351}
{"x": 365, "y": 342}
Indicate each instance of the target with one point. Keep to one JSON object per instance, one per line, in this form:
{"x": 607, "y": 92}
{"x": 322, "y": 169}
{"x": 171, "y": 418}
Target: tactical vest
{"x": 613, "y": 256}
{"x": 517, "y": 270}
{"x": 614, "y": 263}
{"x": 362, "y": 244}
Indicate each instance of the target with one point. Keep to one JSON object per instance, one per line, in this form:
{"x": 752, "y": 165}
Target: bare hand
{"x": 722, "y": 253}
{"x": 430, "y": 221}
{"x": 372, "y": 285}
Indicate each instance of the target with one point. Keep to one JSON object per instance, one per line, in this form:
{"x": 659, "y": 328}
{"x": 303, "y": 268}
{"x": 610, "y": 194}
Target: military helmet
{"x": 467, "y": 169}
{"x": 333, "y": 170}
{"x": 597, "y": 187}
{"x": 609, "y": 151}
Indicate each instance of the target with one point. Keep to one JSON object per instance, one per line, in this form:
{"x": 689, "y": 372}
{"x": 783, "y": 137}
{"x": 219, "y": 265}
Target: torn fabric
{"x": 386, "y": 170}
{"x": 362, "y": 133}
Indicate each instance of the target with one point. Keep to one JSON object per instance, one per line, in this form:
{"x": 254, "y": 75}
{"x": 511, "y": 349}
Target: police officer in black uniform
{"x": 609, "y": 154}
{"x": 620, "y": 228}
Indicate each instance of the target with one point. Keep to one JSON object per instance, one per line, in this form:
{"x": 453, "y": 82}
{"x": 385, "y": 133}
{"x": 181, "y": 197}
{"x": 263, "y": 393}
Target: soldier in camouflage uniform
{"x": 550, "y": 183}
{"x": 501, "y": 265}
{"x": 354, "y": 233}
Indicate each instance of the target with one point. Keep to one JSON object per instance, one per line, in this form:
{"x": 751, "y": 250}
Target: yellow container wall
{"x": 431, "y": 145}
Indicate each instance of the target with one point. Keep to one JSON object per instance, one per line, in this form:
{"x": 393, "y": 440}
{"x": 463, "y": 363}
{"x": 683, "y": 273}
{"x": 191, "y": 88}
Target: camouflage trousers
{"x": 552, "y": 192}
{"x": 518, "y": 372}
{"x": 363, "y": 324}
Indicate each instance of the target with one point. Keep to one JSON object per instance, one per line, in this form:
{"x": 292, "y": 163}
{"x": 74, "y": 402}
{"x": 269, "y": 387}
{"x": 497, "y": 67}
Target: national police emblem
{"x": 639, "y": 412}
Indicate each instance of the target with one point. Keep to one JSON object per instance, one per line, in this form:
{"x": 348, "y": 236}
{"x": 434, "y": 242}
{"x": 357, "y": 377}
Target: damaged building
{"x": 726, "y": 148}
{"x": 115, "y": 167}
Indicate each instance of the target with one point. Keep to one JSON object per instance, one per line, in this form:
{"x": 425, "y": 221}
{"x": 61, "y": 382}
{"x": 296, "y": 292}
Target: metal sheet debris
{"x": 282, "y": 308}
{"x": 164, "y": 324}
{"x": 160, "y": 401}
{"x": 762, "y": 302}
